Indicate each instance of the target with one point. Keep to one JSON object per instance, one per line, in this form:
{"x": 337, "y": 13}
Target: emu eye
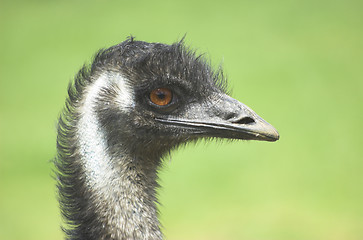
{"x": 161, "y": 96}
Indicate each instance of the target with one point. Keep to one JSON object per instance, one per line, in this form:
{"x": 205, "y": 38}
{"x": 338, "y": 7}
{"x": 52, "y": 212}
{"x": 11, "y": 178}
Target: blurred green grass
{"x": 297, "y": 63}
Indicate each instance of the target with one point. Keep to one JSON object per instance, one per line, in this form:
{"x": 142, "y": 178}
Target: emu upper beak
{"x": 225, "y": 117}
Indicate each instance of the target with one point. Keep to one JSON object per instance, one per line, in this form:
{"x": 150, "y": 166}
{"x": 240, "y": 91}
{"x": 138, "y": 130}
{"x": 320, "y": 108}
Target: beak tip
{"x": 269, "y": 133}
{"x": 274, "y": 135}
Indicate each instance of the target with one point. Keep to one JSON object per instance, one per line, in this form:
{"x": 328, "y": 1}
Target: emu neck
{"x": 119, "y": 188}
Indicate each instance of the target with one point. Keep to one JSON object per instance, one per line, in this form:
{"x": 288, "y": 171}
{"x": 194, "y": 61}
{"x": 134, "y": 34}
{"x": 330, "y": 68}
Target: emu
{"x": 125, "y": 111}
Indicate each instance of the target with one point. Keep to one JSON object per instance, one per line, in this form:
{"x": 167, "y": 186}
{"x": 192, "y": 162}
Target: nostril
{"x": 238, "y": 119}
{"x": 245, "y": 120}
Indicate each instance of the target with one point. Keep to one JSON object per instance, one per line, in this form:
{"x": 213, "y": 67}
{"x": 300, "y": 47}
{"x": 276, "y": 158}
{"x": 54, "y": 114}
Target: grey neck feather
{"x": 120, "y": 187}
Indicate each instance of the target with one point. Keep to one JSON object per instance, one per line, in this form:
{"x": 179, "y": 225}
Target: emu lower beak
{"x": 225, "y": 117}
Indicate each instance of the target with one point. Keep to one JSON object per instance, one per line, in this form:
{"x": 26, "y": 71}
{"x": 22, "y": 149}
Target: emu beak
{"x": 225, "y": 117}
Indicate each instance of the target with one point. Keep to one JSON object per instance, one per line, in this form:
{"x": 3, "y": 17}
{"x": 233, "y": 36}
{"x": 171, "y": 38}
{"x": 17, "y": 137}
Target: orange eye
{"x": 161, "y": 96}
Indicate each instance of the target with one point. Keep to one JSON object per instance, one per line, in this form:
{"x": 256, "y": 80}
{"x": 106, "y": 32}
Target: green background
{"x": 298, "y": 64}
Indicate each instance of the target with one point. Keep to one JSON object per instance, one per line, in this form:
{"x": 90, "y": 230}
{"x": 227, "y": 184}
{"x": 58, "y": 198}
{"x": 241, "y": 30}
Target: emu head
{"x": 158, "y": 96}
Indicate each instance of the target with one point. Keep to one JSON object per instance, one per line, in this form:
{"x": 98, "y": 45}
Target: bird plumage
{"x": 112, "y": 134}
